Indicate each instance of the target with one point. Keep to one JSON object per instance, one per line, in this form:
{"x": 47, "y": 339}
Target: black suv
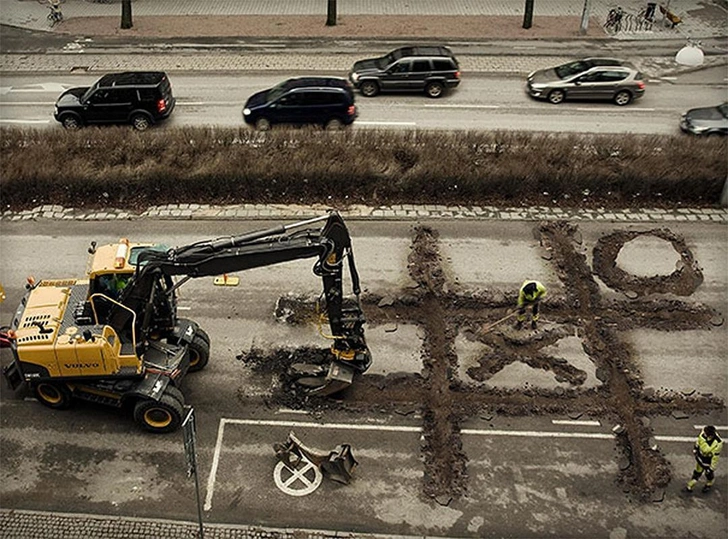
{"x": 326, "y": 101}
{"x": 139, "y": 98}
{"x": 431, "y": 69}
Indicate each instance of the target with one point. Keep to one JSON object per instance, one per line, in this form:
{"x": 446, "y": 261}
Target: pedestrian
{"x": 530, "y": 294}
{"x": 706, "y": 450}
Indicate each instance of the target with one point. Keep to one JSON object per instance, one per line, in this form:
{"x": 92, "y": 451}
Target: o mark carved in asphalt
{"x": 299, "y": 482}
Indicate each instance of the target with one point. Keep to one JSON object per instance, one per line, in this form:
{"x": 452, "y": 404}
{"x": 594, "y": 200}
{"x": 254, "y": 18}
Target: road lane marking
{"x": 717, "y": 427}
{"x": 456, "y": 106}
{"x": 576, "y": 422}
{"x": 600, "y": 109}
{"x": 386, "y": 123}
{"x": 24, "y": 121}
{"x": 395, "y": 428}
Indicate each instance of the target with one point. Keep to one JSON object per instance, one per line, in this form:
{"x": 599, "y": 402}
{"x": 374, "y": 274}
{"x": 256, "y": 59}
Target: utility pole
{"x": 585, "y": 18}
{"x": 126, "y": 22}
{"x": 528, "y": 14}
{"x": 331, "y": 13}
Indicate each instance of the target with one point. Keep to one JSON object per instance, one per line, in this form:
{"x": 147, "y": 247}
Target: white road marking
{"x": 27, "y": 103}
{"x": 24, "y": 121}
{"x": 717, "y": 427}
{"x": 386, "y": 123}
{"x": 456, "y": 106}
{"x": 576, "y": 422}
{"x": 668, "y": 78}
{"x": 50, "y": 87}
{"x": 396, "y": 428}
{"x": 215, "y": 464}
{"x": 604, "y": 109}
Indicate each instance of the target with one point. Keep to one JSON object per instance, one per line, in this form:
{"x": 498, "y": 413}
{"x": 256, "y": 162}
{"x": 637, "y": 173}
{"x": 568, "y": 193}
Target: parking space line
{"x": 402, "y": 428}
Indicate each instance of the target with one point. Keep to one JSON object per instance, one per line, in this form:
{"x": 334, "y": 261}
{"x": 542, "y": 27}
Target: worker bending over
{"x": 530, "y": 294}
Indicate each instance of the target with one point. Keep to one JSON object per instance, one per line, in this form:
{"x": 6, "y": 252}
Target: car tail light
{"x": 352, "y": 110}
{"x": 161, "y": 105}
{"x": 640, "y": 85}
{"x": 457, "y": 74}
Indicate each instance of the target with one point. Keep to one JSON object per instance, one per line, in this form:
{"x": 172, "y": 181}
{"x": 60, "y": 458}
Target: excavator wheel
{"x": 160, "y": 416}
{"x": 56, "y": 396}
{"x": 199, "y": 351}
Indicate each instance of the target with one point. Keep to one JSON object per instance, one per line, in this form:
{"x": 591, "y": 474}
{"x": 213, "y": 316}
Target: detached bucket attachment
{"x": 340, "y": 465}
{"x": 337, "y": 465}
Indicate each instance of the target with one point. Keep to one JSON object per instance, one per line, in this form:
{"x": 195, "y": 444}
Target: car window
{"x": 421, "y": 66}
{"x": 613, "y": 76}
{"x": 147, "y": 94}
{"x": 572, "y": 68}
{"x": 723, "y": 109}
{"x": 442, "y": 65}
{"x": 401, "y": 67}
{"x": 591, "y": 77}
{"x": 100, "y": 96}
{"x": 319, "y": 98}
{"x": 291, "y": 100}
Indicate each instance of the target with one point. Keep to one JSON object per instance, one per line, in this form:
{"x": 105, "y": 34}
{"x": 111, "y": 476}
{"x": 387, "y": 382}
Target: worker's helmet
{"x": 709, "y": 431}
{"x": 530, "y": 288}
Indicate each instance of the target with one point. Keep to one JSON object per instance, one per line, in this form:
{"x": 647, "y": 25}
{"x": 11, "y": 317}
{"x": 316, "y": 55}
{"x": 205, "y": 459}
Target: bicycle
{"x": 55, "y": 14}
{"x": 614, "y": 19}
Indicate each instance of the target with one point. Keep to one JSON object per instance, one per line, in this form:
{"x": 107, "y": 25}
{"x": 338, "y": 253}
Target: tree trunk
{"x": 331, "y": 13}
{"x": 126, "y": 14}
{"x": 528, "y": 14}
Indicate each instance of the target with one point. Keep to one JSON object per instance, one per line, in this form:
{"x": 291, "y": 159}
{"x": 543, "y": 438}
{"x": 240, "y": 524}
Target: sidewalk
{"x": 284, "y": 35}
{"x": 700, "y": 18}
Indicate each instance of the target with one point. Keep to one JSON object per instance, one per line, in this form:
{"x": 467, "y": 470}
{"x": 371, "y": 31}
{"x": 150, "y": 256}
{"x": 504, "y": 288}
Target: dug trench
{"x": 443, "y": 311}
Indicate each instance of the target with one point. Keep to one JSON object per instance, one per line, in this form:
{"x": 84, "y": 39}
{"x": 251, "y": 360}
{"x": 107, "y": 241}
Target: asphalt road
{"x": 481, "y": 102}
{"x": 543, "y": 475}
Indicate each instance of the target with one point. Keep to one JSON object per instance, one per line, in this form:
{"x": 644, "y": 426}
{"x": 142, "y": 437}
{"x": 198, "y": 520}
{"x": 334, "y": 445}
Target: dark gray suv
{"x": 432, "y": 69}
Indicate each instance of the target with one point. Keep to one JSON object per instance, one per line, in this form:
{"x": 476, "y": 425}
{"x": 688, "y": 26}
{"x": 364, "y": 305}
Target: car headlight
{"x": 355, "y": 77}
{"x": 246, "y": 112}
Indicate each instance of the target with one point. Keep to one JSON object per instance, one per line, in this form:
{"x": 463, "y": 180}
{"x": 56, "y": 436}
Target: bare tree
{"x": 126, "y": 14}
{"x": 331, "y": 13}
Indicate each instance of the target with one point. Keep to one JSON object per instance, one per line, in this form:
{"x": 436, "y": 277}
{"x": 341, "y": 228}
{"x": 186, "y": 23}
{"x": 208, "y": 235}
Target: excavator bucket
{"x": 340, "y": 464}
{"x": 338, "y": 377}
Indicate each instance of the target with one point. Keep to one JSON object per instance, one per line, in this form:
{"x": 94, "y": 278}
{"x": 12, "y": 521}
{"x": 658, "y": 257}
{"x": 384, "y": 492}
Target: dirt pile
{"x": 444, "y": 311}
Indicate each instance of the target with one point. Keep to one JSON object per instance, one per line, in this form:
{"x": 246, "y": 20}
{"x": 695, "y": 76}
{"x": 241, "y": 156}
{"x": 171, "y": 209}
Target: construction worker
{"x": 530, "y": 294}
{"x": 706, "y": 450}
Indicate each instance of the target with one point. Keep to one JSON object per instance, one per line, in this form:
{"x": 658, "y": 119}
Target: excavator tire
{"x": 175, "y": 393}
{"x": 160, "y": 416}
{"x": 199, "y": 351}
{"x": 56, "y": 396}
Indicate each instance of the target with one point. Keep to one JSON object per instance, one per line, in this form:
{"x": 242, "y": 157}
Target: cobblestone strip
{"x": 395, "y": 212}
{"x": 16, "y": 524}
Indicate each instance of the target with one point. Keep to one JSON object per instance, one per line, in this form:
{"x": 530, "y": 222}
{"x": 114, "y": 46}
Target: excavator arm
{"x": 151, "y": 291}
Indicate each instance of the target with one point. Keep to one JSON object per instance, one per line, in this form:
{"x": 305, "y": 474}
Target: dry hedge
{"x": 118, "y": 167}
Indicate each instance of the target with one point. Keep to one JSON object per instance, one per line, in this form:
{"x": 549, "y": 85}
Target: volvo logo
{"x": 82, "y": 365}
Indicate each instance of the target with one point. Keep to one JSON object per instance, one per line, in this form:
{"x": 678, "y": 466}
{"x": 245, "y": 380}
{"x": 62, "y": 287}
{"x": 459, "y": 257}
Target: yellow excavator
{"x": 114, "y": 337}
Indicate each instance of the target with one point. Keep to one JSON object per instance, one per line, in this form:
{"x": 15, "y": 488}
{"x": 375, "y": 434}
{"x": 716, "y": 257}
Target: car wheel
{"x": 70, "y": 122}
{"x": 56, "y": 396}
{"x": 623, "y": 98}
{"x": 556, "y": 96}
{"x": 369, "y": 88}
{"x": 262, "y": 124}
{"x": 140, "y": 122}
{"x": 334, "y": 124}
{"x": 434, "y": 89}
